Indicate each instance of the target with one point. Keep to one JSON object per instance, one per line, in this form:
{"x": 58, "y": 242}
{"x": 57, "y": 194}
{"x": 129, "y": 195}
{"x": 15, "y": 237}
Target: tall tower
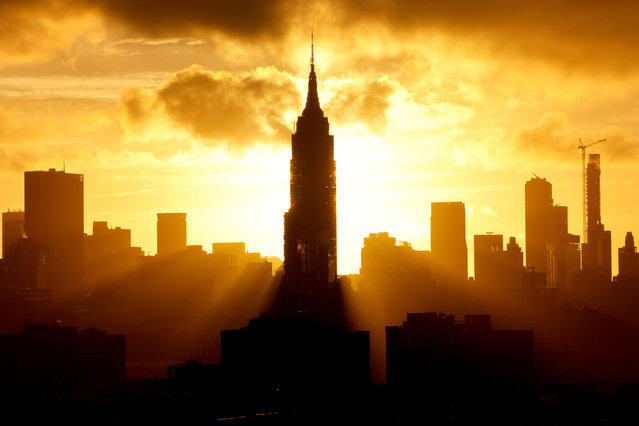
{"x": 538, "y": 222}
{"x": 171, "y": 233}
{"x": 310, "y": 227}
{"x": 449, "y": 252}
{"x": 54, "y": 223}
{"x": 597, "y": 259}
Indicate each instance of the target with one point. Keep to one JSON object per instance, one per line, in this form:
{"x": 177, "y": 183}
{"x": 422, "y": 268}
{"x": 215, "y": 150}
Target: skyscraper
{"x": 489, "y": 258}
{"x": 556, "y": 246}
{"x": 628, "y": 257}
{"x": 310, "y": 227}
{"x": 449, "y": 252}
{"x": 171, "y": 233}
{"x": 54, "y": 223}
{"x": 597, "y": 259}
{"x": 538, "y": 215}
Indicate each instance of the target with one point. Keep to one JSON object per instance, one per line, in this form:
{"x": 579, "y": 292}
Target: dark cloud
{"x": 578, "y": 34}
{"x": 218, "y": 106}
{"x": 581, "y": 34}
{"x": 362, "y": 102}
{"x": 243, "y": 19}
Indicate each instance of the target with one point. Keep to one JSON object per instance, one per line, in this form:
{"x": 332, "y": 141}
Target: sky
{"x": 189, "y": 106}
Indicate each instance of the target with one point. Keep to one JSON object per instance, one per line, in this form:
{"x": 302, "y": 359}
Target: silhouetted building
{"x": 54, "y": 223}
{"x": 596, "y": 260}
{"x": 108, "y": 254}
{"x": 489, "y": 258}
{"x": 628, "y": 258}
{"x": 294, "y": 354}
{"x": 538, "y": 216}
{"x": 449, "y": 252}
{"x": 514, "y": 260}
{"x": 238, "y": 257}
{"x": 310, "y": 230}
{"x": 171, "y": 233}
{"x": 60, "y": 358}
{"x": 496, "y": 269}
{"x": 12, "y": 230}
{"x": 395, "y": 273}
{"x": 573, "y": 263}
{"x": 556, "y": 248}
{"x": 434, "y": 351}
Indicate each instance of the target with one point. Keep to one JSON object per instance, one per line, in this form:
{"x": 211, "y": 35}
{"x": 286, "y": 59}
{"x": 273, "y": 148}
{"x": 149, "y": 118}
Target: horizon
{"x": 421, "y": 112}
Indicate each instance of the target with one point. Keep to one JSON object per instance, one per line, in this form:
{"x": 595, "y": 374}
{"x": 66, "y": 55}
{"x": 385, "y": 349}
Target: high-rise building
{"x": 488, "y": 257}
{"x": 556, "y": 247}
{"x": 171, "y": 233}
{"x": 538, "y": 215}
{"x": 12, "y": 230}
{"x": 54, "y": 223}
{"x": 628, "y": 257}
{"x": 596, "y": 259}
{"x": 108, "y": 254}
{"x": 573, "y": 263}
{"x": 310, "y": 227}
{"x": 449, "y": 252}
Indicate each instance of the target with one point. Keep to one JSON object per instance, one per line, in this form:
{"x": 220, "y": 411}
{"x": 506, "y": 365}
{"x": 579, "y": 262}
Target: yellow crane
{"x": 583, "y": 147}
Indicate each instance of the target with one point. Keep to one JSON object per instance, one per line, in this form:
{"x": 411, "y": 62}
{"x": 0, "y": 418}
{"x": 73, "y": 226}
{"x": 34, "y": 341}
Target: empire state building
{"x": 310, "y": 229}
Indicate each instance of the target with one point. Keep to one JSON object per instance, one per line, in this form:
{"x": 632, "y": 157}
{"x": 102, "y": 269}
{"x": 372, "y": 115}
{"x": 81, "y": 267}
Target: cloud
{"x": 581, "y": 35}
{"x": 41, "y": 29}
{"x": 575, "y": 34}
{"x": 363, "y": 102}
{"x": 550, "y": 137}
{"x": 553, "y": 137}
{"x": 242, "y": 19}
{"x": 216, "y": 107}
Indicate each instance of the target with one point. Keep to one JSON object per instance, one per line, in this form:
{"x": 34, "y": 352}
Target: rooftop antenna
{"x": 312, "y": 49}
{"x": 64, "y": 164}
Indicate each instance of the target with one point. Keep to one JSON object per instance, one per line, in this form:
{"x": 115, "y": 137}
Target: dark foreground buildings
{"x": 434, "y": 350}
{"x": 295, "y": 353}
{"x": 60, "y": 359}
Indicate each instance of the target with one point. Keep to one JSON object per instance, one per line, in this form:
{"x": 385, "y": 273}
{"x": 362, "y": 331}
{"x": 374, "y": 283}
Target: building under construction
{"x": 596, "y": 261}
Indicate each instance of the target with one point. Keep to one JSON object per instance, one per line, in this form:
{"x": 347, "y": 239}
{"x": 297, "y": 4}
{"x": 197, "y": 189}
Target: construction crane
{"x": 583, "y": 147}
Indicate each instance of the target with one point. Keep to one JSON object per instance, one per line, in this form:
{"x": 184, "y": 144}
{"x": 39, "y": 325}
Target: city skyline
{"x": 435, "y": 115}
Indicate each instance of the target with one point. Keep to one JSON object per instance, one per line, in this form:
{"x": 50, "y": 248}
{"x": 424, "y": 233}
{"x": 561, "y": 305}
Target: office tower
{"x": 538, "y": 212}
{"x": 108, "y": 254}
{"x": 449, "y": 253}
{"x": 597, "y": 247}
{"x": 171, "y": 233}
{"x": 628, "y": 257}
{"x": 556, "y": 246}
{"x": 514, "y": 259}
{"x": 573, "y": 262}
{"x": 394, "y": 277}
{"x": 12, "y": 230}
{"x": 489, "y": 258}
{"x": 54, "y": 223}
{"x": 310, "y": 228}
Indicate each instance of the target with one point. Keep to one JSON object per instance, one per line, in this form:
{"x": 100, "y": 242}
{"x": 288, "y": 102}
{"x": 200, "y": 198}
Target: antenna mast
{"x": 312, "y": 49}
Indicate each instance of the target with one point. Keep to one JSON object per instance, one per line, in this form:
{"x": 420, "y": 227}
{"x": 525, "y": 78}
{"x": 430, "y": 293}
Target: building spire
{"x": 312, "y": 99}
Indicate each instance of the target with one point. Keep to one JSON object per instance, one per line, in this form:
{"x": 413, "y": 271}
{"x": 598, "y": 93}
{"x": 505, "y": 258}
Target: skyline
{"x": 440, "y": 114}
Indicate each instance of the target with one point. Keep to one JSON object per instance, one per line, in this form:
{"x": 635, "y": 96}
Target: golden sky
{"x": 189, "y": 106}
